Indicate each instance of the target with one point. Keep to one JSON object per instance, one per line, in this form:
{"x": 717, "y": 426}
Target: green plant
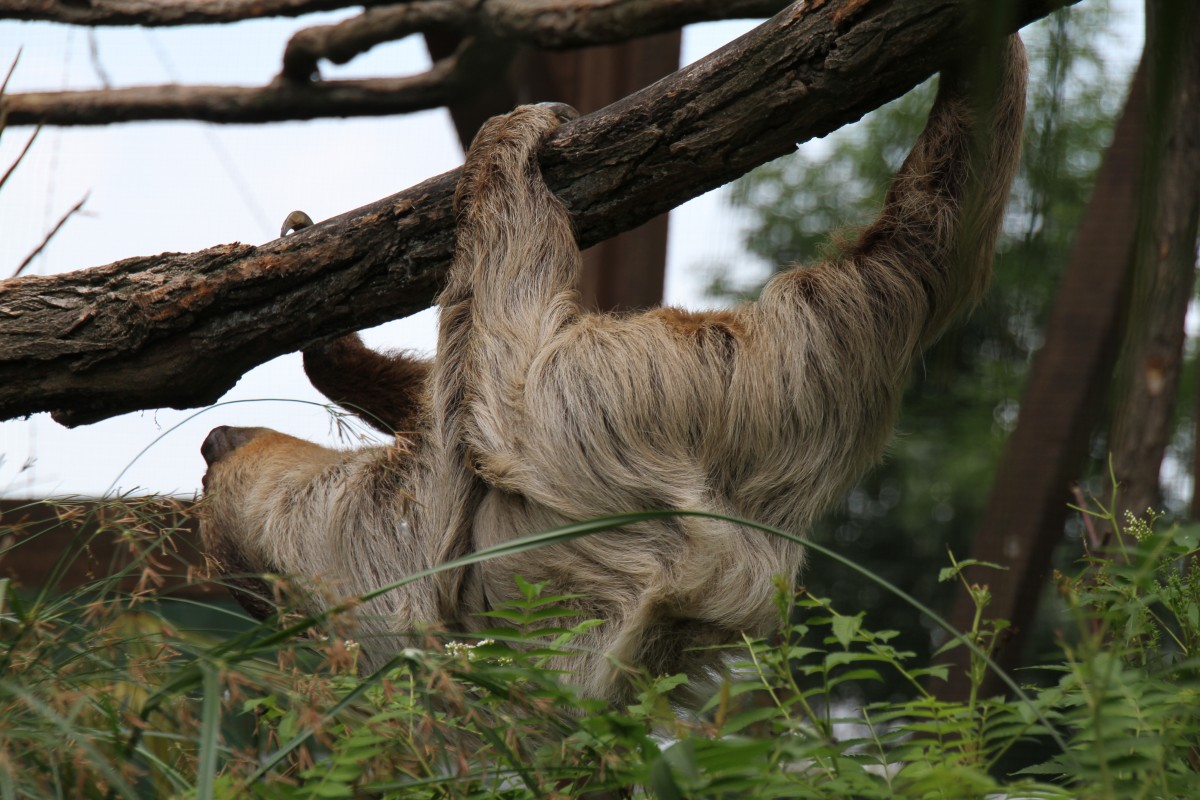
{"x": 1129, "y": 686}
{"x": 111, "y": 692}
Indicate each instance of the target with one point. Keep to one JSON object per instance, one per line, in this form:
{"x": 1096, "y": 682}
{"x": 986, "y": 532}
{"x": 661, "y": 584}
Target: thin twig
{"x": 11, "y": 69}
{"x": 12, "y": 168}
{"x": 3, "y": 106}
{"x": 1092, "y": 539}
{"x": 62, "y": 221}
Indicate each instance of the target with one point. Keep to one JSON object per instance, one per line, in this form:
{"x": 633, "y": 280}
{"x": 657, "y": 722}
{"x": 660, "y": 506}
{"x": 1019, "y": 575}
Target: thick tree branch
{"x": 155, "y": 13}
{"x": 179, "y": 329}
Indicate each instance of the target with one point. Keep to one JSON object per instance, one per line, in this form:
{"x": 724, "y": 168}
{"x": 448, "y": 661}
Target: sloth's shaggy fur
{"x": 535, "y": 414}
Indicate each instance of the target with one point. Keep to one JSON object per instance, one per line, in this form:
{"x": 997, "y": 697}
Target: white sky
{"x": 179, "y": 186}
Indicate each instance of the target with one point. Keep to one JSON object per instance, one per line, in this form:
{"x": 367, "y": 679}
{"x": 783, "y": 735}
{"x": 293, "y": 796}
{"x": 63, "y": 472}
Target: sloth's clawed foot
{"x": 504, "y": 146}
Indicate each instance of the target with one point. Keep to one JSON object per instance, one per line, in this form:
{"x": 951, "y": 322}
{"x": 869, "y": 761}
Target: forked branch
{"x": 492, "y": 27}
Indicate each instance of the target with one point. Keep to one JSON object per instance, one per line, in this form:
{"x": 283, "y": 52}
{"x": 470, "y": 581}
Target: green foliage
{"x": 1129, "y": 687}
{"x": 103, "y": 693}
{"x": 963, "y": 402}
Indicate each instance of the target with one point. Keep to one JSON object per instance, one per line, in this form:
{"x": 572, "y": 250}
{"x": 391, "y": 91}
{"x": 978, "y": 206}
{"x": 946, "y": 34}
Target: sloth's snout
{"x": 223, "y": 440}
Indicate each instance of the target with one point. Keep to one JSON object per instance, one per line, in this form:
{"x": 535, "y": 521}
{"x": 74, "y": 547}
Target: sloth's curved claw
{"x": 297, "y": 220}
{"x": 564, "y": 112}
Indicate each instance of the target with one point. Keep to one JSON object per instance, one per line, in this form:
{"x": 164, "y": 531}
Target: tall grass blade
{"x": 210, "y": 732}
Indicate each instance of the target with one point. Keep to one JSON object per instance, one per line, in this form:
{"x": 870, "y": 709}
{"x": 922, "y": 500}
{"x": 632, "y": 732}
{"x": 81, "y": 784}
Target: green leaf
{"x": 210, "y": 731}
{"x": 662, "y": 782}
{"x": 737, "y": 722}
{"x": 947, "y": 573}
{"x": 529, "y": 590}
{"x": 1187, "y": 536}
{"x": 666, "y": 683}
{"x": 864, "y": 674}
{"x": 682, "y": 757}
{"x": 845, "y": 628}
{"x": 939, "y": 671}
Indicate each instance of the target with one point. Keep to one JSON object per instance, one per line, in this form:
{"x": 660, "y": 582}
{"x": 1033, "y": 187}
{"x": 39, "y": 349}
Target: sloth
{"x": 535, "y": 413}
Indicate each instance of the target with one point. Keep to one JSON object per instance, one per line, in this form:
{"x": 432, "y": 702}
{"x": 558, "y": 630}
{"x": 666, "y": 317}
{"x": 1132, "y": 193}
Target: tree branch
{"x": 549, "y": 24}
{"x": 160, "y": 13}
{"x": 495, "y": 26}
{"x": 279, "y": 101}
{"x": 179, "y": 329}
{"x": 344, "y": 40}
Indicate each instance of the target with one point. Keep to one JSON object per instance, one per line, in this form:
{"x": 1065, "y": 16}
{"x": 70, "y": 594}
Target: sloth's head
{"x": 333, "y": 525}
{"x": 254, "y": 476}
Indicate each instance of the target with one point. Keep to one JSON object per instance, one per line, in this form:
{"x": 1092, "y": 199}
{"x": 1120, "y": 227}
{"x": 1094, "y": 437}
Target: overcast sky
{"x": 177, "y": 186}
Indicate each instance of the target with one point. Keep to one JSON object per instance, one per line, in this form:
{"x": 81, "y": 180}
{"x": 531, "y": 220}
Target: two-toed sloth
{"x": 535, "y": 413}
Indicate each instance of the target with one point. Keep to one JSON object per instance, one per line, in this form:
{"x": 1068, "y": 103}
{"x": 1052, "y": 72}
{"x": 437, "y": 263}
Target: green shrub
{"x": 107, "y": 693}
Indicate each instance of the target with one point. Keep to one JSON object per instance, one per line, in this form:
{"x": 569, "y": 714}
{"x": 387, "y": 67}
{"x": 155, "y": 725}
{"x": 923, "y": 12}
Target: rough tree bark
{"x": 1165, "y": 260}
{"x": 179, "y": 329}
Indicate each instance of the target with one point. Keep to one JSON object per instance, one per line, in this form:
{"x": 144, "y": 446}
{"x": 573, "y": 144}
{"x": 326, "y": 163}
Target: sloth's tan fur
{"x": 535, "y": 413}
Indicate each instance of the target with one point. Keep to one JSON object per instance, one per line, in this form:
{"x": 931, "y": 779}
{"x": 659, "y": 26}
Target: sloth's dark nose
{"x": 223, "y": 440}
